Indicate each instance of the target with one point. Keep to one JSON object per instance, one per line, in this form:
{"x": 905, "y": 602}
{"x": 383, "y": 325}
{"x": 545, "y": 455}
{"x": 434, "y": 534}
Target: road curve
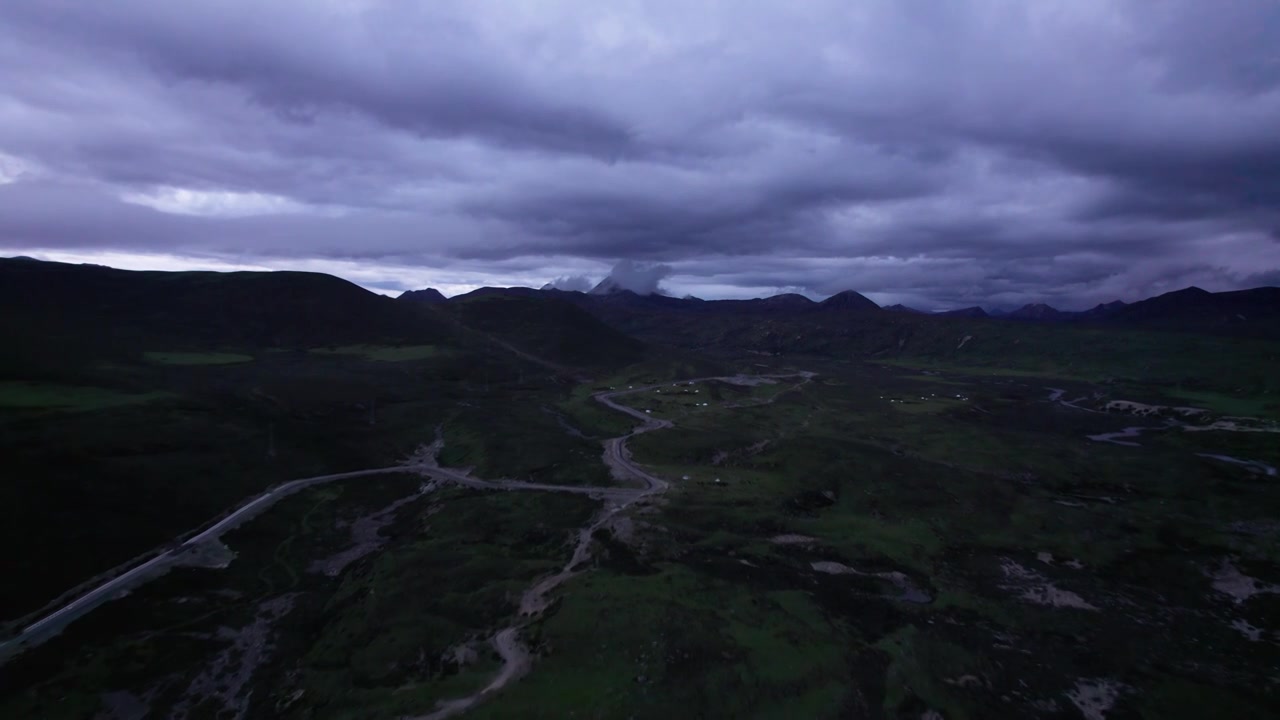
{"x": 48, "y": 625}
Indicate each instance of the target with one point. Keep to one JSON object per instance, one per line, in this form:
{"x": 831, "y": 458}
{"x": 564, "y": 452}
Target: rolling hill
{"x": 55, "y": 314}
{"x": 544, "y": 325}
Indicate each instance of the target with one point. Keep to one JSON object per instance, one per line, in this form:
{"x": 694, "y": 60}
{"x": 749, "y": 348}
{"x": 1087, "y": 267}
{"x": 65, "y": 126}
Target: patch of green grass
{"x": 1185, "y": 700}
{"x": 933, "y": 379}
{"x": 193, "y": 358}
{"x": 678, "y": 643}
{"x": 1046, "y": 370}
{"x": 920, "y": 666}
{"x": 1229, "y": 405}
{"x": 502, "y": 439}
{"x": 48, "y": 396}
{"x": 591, "y": 416}
{"x": 383, "y": 353}
{"x": 909, "y": 541}
{"x": 459, "y": 573}
{"x": 930, "y": 406}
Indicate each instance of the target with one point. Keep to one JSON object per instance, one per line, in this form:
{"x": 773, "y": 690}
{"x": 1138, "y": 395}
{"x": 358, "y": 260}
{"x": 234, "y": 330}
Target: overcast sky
{"x": 941, "y": 154}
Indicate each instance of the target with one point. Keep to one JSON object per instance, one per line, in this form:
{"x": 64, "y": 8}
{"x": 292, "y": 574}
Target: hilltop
{"x": 61, "y": 313}
{"x": 545, "y": 325}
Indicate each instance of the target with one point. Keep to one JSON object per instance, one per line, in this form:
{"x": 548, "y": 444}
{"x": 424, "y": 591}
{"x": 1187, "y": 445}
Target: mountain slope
{"x": 849, "y": 300}
{"x": 1196, "y": 309}
{"x": 1039, "y": 312}
{"x": 605, "y": 287}
{"x": 57, "y": 313}
{"x": 969, "y": 312}
{"x": 427, "y": 296}
{"x": 545, "y": 325}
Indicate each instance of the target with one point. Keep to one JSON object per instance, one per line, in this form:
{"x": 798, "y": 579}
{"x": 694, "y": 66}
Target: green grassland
{"x": 952, "y": 498}
{"x": 528, "y": 443}
{"x": 1266, "y": 406}
{"x": 962, "y": 502}
{"x": 1238, "y": 367}
{"x": 676, "y": 642}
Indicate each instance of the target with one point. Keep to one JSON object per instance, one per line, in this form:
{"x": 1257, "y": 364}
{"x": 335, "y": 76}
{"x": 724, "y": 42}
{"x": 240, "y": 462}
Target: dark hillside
{"x": 546, "y": 326}
{"x": 1244, "y": 313}
{"x": 428, "y": 296}
{"x": 1237, "y": 365}
{"x": 969, "y": 312}
{"x": 849, "y": 300}
{"x": 1037, "y": 312}
{"x": 1253, "y": 312}
{"x": 54, "y": 314}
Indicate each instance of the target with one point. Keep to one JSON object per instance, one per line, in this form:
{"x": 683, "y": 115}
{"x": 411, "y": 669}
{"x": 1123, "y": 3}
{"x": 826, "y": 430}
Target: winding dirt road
{"x": 516, "y": 660}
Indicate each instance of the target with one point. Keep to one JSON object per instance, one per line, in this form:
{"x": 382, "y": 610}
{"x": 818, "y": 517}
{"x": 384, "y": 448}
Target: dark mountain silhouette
{"x": 505, "y": 292}
{"x": 1039, "y": 312}
{"x": 786, "y": 301}
{"x": 969, "y": 312}
{"x": 261, "y": 309}
{"x": 849, "y": 300}
{"x": 1102, "y": 310}
{"x": 1179, "y": 304}
{"x": 778, "y": 304}
{"x": 613, "y": 299}
{"x": 56, "y": 313}
{"x": 1246, "y": 312}
{"x": 428, "y": 296}
{"x": 545, "y": 324}
{"x": 1253, "y": 312}
{"x": 1177, "y": 300}
{"x": 605, "y": 287}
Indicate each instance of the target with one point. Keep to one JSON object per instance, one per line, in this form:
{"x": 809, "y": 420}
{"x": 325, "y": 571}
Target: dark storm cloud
{"x": 717, "y": 209}
{"x": 304, "y": 64}
{"x": 938, "y": 154}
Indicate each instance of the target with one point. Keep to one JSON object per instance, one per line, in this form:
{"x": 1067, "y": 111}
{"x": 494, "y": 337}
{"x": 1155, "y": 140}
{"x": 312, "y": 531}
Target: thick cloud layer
{"x": 575, "y": 283}
{"x": 640, "y": 278}
{"x": 938, "y": 154}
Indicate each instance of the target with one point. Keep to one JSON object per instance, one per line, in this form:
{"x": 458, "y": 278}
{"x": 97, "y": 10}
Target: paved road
{"x": 130, "y": 578}
{"x": 447, "y": 475}
{"x": 109, "y": 588}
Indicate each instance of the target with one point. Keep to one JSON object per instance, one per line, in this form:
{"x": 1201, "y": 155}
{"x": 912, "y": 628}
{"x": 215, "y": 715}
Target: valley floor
{"x": 822, "y": 540}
